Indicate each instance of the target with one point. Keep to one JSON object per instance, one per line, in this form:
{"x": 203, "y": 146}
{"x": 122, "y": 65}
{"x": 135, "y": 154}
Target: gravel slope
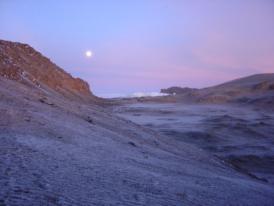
{"x": 56, "y": 151}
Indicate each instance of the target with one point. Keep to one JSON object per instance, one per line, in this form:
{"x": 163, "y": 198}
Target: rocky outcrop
{"x": 178, "y": 90}
{"x": 22, "y": 63}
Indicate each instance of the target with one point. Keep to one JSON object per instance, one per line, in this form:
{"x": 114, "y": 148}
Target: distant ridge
{"x": 249, "y": 81}
{"x": 254, "y": 89}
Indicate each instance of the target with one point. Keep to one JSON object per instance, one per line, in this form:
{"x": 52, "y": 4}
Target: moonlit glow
{"x": 89, "y": 54}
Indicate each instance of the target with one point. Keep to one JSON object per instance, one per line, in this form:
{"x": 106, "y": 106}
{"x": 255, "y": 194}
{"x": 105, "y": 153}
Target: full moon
{"x": 89, "y": 53}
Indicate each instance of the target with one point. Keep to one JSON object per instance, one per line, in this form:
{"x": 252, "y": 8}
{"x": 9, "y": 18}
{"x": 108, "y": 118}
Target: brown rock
{"x": 22, "y": 63}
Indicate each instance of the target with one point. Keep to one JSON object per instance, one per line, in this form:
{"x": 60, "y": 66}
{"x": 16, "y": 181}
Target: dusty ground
{"x": 241, "y": 136}
{"x": 59, "y": 152}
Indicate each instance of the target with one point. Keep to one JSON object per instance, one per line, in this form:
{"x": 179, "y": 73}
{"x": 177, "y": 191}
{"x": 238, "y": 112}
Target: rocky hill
{"x": 256, "y": 89}
{"x": 22, "y": 63}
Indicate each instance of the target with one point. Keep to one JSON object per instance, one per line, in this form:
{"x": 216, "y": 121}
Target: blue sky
{"x": 147, "y": 45}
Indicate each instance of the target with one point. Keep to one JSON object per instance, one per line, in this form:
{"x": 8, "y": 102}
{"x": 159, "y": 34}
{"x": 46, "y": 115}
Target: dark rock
{"x": 132, "y": 144}
{"x": 45, "y": 101}
{"x": 178, "y": 90}
{"x": 89, "y": 120}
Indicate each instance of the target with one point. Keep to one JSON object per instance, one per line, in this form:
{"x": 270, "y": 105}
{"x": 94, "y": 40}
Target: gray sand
{"x": 241, "y": 136}
{"x": 61, "y": 152}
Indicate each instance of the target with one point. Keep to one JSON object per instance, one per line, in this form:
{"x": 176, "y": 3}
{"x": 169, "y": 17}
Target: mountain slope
{"x": 256, "y": 89}
{"x": 22, "y": 63}
{"x": 250, "y": 82}
{"x": 58, "y": 151}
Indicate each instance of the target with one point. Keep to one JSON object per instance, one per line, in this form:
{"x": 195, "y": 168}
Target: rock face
{"x": 22, "y": 63}
{"x": 178, "y": 90}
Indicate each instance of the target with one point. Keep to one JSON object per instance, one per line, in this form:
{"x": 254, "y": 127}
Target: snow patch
{"x": 135, "y": 94}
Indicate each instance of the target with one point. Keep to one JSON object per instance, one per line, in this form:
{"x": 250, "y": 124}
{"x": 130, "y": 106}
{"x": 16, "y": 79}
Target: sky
{"x": 146, "y": 45}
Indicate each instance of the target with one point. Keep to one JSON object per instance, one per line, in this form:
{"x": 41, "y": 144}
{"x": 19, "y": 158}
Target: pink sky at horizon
{"x": 147, "y": 45}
